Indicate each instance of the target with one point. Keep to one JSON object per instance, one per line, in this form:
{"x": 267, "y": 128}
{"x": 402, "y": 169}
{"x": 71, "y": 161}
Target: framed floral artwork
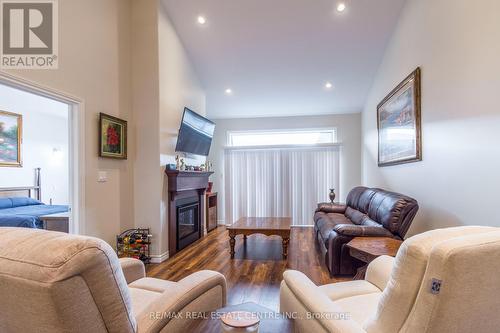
{"x": 399, "y": 128}
{"x": 11, "y": 133}
{"x": 112, "y": 137}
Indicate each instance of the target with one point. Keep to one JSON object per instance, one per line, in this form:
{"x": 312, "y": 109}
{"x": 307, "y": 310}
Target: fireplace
{"x": 186, "y": 207}
{"x": 188, "y": 221}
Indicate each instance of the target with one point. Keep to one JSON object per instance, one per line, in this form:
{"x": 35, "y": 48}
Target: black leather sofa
{"x": 367, "y": 212}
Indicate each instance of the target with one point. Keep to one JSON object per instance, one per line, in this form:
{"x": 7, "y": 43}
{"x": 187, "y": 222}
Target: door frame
{"x": 76, "y": 124}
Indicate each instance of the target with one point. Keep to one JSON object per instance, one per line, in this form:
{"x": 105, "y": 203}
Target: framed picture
{"x": 399, "y": 128}
{"x": 112, "y": 137}
{"x": 11, "y": 134}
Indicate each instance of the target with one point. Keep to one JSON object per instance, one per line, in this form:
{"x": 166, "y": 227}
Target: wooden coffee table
{"x": 368, "y": 249}
{"x": 270, "y": 321}
{"x": 269, "y": 226}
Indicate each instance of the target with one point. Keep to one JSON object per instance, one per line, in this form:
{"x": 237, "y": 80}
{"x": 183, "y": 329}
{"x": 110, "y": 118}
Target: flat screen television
{"x": 195, "y": 134}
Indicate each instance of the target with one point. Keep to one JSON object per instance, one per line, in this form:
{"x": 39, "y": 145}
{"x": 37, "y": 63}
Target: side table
{"x": 367, "y": 249}
{"x": 56, "y": 222}
{"x": 270, "y": 321}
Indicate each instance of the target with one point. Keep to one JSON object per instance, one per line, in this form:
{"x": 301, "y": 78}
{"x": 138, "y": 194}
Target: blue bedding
{"x": 25, "y": 212}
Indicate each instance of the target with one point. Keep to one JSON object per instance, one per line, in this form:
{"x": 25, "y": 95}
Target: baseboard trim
{"x": 158, "y": 259}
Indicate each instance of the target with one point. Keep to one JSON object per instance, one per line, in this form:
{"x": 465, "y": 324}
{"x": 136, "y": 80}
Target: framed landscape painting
{"x": 112, "y": 137}
{"x": 11, "y": 129}
{"x": 399, "y": 128}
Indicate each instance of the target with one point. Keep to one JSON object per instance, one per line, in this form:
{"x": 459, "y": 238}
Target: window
{"x": 279, "y": 172}
{"x": 288, "y": 181}
{"x": 281, "y": 137}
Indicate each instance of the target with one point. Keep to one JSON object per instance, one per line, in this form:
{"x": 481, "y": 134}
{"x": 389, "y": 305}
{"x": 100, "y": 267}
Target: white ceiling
{"x": 276, "y": 55}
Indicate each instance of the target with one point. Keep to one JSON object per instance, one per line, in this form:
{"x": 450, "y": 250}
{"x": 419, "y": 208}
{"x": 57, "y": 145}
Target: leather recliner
{"x": 53, "y": 282}
{"x": 443, "y": 280}
{"x": 368, "y": 212}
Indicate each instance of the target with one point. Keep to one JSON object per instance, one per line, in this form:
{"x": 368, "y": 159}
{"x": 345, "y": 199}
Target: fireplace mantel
{"x": 179, "y": 181}
{"x": 182, "y": 185}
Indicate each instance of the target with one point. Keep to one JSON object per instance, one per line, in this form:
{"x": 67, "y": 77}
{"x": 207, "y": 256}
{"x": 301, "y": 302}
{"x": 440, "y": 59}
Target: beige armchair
{"x": 55, "y": 282}
{"x": 444, "y": 280}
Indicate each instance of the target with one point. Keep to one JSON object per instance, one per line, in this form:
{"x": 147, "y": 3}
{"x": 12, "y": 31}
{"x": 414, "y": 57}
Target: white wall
{"x": 179, "y": 88}
{"x": 164, "y": 82}
{"x": 45, "y": 128}
{"x": 94, "y": 65}
{"x": 456, "y": 44}
{"x": 145, "y": 82}
{"x": 348, "y": 133}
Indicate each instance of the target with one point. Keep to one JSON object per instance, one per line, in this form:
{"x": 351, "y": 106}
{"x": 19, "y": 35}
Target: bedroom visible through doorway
{"x": 35, "y": 154}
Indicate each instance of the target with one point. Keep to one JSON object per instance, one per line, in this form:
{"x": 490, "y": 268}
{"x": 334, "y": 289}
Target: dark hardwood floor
{"x": 256, "y": 272}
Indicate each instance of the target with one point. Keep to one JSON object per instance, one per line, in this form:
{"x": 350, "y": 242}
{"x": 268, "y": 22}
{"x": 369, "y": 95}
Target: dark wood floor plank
{"x": 257, "y": 270}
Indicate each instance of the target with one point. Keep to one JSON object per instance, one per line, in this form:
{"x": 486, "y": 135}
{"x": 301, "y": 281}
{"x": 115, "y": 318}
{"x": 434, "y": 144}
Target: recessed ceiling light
{"x": 341, "y": 7}
{"x": 228, "y": 91}
{"x": 202, "y": 19}
{"x": 328, "y": 85}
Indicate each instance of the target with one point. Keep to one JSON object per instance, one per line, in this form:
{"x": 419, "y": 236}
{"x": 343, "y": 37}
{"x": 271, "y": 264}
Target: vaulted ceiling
{"x": 276, "y": 56}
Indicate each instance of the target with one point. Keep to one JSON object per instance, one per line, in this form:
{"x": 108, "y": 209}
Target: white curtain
{"x": 284, "y": 182}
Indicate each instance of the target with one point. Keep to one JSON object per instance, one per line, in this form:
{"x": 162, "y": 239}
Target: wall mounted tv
{"x": 195, "y": 134}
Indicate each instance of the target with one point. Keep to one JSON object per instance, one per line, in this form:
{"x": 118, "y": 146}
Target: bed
{"x": 18, "y": 208}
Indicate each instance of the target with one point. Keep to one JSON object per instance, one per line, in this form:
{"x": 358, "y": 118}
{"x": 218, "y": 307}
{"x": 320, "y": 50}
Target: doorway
{"x": 50, "y": 141}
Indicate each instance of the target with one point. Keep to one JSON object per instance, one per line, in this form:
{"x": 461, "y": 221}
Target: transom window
{"x": 281, "y": 137}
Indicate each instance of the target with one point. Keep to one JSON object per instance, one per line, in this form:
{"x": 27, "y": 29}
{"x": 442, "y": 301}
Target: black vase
{"x": 332, "y": 195}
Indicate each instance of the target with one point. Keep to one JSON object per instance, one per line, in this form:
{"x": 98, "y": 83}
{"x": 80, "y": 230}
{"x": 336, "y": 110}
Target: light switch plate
{"x": 102, "y": 177}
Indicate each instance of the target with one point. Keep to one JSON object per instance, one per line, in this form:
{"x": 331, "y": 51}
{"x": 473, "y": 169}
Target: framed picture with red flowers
{"x": 112, "y": 137}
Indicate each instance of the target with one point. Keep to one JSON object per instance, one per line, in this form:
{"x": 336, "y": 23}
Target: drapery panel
{"x": 284, "y": 182}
